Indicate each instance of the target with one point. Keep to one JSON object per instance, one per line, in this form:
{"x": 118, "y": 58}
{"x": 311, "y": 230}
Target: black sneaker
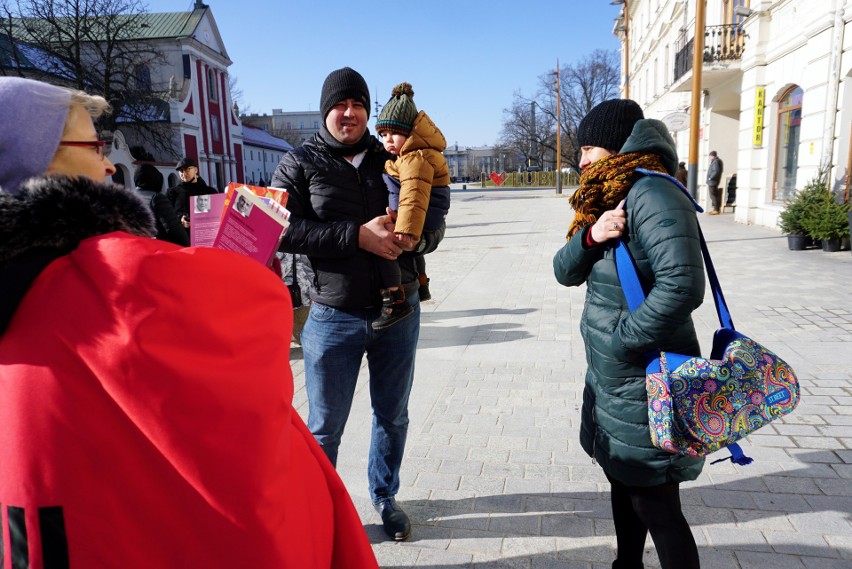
{"x": 394, "y": 520}
{"x": 394, "y": 309}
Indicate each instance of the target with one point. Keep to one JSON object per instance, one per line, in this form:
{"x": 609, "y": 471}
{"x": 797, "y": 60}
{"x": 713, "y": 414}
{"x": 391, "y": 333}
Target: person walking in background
{"x": 149, "y": 185}
{"x": 339, "y": 218}
{"x": 714, "y": 178}
{"x": 191, "y": 184}
{"x": 418, "y": 190}
{"x": 662, "y": 227}
{"x": 135, "y": 443}
{"x": 682, "y": 175}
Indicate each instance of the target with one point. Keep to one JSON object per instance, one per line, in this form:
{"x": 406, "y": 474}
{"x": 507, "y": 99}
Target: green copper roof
{"x": 169, "y": 24}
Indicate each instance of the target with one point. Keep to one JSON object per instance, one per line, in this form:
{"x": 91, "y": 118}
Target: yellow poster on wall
{"x": 759, "y": 103}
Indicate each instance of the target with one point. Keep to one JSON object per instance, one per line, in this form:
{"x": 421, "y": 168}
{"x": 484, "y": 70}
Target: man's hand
{"x": 377, "y": 237}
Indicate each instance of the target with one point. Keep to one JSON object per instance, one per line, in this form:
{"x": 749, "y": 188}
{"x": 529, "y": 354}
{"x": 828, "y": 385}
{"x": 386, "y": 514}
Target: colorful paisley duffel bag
{"x": 697, "y": 406}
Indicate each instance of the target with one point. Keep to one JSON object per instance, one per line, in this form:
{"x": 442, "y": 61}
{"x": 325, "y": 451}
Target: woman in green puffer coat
{"x": 660, "y": 228}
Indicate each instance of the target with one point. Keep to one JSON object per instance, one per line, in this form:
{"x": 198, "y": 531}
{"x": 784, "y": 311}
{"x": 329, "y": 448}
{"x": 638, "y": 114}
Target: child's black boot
{"x": 394, "y": 308}
{"x": 423, "y": 290}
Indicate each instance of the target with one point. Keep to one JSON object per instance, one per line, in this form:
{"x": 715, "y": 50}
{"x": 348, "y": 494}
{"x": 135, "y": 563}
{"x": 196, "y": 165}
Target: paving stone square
{"x": 494, "y": 475}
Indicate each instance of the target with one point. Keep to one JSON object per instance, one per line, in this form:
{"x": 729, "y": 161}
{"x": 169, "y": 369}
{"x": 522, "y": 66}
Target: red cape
{"x": 147, "y": 419}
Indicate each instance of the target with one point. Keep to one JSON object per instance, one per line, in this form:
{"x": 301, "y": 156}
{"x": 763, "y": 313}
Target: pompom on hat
{"x": 399, "y": 112}
{"x": 33, "y": 116}
{"x": 609, "y": 124}
{"x": 342, "y": 84}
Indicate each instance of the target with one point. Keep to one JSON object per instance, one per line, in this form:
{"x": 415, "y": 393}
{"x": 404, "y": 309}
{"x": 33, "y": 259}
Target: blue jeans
{"x": 334, "y": 342}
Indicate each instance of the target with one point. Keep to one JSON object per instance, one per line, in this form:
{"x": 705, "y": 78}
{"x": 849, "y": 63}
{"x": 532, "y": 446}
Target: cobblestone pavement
{"x": 494, "y": 476}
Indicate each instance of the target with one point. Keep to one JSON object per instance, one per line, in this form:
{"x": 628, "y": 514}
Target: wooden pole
{"x": 695, "y": 106}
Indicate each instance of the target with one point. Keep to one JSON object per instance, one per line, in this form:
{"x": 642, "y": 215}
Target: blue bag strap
{"x": 629, "y": 277}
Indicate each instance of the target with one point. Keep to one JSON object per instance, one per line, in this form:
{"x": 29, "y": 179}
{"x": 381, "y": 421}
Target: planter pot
{"x": 831, "y": 245}
{"x": 797, "y": 242}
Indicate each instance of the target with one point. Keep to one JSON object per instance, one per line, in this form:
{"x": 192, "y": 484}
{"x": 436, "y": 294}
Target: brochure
{"x": 252, "y": 225}
{"x": 276, "y": 194}
{"x": 205, "y": 214}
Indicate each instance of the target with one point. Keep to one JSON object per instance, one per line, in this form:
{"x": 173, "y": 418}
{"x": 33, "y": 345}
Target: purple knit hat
{"x": 33, "y": 116}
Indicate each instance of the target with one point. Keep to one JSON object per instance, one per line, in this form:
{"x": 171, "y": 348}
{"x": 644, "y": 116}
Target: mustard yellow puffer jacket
{"x": 419, "y": 167}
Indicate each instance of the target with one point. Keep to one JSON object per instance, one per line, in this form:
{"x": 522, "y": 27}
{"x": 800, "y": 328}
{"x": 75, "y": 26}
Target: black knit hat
{"x": 399, "y": 112}
{"x": 342, "y": 84}
{"x": 609, "y": 124}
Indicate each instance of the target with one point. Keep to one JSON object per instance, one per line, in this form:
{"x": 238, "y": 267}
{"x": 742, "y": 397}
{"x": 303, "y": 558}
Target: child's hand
{"x": 406, "y": 241}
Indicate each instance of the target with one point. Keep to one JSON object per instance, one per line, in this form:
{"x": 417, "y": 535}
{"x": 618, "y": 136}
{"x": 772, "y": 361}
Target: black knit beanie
{"x": 609, "y": 124}
{"x": 399, "y": 112}
{"x": 342, "y": 84}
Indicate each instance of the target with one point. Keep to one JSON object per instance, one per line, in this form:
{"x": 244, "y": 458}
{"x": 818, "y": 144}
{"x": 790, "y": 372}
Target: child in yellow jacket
{"x": 412, "y": 179}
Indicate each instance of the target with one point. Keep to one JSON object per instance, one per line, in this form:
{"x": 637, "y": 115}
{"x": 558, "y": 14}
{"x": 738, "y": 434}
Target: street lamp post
{"x": 558, "y": 132}
{"x": 626, "y": 31}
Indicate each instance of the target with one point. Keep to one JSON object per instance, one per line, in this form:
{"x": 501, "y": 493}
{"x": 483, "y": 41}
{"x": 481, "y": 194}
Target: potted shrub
{"x": 797, "y": 209}
{"x": 790, "y": 223}
{"x": 828, "y": 222}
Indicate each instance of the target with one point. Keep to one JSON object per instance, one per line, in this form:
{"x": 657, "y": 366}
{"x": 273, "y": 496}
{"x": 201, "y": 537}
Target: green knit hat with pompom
{"x": 399, "y": 112}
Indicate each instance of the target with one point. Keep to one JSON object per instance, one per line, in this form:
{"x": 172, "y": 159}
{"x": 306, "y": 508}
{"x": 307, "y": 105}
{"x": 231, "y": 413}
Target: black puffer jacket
{"x": 663, "y": 240}
{"x": 329, "y": 200}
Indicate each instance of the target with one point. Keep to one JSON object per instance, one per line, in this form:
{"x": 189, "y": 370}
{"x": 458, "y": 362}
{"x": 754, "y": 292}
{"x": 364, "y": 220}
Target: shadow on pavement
{"x": 729, "y": 511}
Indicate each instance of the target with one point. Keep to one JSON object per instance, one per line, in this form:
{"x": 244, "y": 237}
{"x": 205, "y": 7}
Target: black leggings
{"x": 637, "y": 510}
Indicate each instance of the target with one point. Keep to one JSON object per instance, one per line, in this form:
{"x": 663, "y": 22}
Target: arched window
{"x": 143, "y": 77}
{"x": 789, "y": 121}
{"x": 212, "y": 92}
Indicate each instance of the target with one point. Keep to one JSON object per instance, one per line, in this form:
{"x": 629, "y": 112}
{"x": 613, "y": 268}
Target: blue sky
{"x": 464, "y": 58}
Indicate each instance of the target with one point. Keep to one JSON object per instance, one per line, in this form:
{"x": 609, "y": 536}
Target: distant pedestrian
{"x": 714, "y": 177}
{"x": 419, "y": 192}
{"x": 191, "y": 184}
{"x": 662, "y": 227}
{"x": 149, "y": 185}
{"x": 681, "y": 175}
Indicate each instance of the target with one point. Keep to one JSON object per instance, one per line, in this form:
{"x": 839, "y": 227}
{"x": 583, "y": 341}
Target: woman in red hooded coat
{"x": 145, "y": 388}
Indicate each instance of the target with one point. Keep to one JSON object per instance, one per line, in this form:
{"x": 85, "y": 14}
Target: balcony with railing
{"x": 722, "y": 45}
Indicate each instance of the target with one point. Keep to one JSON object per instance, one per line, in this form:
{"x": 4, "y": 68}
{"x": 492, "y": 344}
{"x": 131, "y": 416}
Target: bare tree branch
{"x": 532, "y": 133}
{"x": 95, "y": 46}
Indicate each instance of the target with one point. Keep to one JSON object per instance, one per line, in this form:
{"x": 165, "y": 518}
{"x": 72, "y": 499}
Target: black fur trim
{"x": 57, "y": 212}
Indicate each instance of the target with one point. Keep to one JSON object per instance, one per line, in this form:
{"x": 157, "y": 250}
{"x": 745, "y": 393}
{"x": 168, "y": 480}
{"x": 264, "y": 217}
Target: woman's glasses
{"x": 98, "y": 145}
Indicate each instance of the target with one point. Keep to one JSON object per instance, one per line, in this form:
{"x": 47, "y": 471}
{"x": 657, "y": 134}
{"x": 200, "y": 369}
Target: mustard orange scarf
{"x": 605, "y": 183}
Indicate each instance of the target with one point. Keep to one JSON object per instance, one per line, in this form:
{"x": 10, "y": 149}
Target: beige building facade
{"x": 775, "y": 97}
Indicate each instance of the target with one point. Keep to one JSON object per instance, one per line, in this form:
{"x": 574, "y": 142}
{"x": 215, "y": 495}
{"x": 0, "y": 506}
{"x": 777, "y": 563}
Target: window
{"x": 316, "y": 124}
{"x": 302, "y": 125}
{"x": 143, "y": 77}
{"x": 215, "y": 129}
{"x": 787, "y": 144}
{"x": 212, "y": 92}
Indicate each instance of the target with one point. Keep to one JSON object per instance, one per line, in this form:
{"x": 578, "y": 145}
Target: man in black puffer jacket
{"x": 339, "y": 220}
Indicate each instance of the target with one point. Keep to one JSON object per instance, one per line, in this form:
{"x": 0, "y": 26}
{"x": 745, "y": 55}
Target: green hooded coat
{"x": 662, "y": 235}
